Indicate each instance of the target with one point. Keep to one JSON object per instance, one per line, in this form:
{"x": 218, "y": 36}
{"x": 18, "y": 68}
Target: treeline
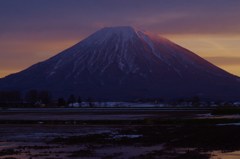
{"x": 8, "y": 98}
{"x": 44, "y": 98}
{"x": 36, "y": 98}
{"x": 28, "y": 99}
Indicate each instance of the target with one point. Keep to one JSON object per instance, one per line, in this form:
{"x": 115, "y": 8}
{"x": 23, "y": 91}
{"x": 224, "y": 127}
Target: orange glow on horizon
{"x": 23, "y": 54}
{"x": 218, "y": 49}
{"x": 221, "y": 50}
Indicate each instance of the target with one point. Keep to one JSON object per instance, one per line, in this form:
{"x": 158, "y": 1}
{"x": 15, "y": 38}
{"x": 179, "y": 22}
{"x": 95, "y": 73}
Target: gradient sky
{"x": 34, "y": 30}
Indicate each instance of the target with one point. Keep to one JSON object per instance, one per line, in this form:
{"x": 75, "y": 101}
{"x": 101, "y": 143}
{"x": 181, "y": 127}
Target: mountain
{"x": 123, "y": 63}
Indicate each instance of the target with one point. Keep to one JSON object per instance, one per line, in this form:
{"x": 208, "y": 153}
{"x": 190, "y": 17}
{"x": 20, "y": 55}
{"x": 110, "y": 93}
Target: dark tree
{"x": 61, "y": 102}
{"x": 196, "y": 101}
{"x": 32, "y": 97}
{"x": 79, "y": 100}
{"x": 45, "y": 97}
{"x": 10, "y": 98}
{"x": 71, "y": 99}
{"x": 90, "y": 102}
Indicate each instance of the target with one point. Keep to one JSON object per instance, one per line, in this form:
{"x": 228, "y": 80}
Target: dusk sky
{"x": 34, "y": 30}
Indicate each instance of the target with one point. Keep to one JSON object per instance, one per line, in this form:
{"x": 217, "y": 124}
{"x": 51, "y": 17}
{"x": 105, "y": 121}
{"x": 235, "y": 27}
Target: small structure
{"x": 74, "y": 105}
{"x": 236, "y": 103}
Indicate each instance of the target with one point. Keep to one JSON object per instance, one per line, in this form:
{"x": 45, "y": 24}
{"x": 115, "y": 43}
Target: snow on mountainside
{"x": 117, "y": 45}
{"x": 122, "y": 63}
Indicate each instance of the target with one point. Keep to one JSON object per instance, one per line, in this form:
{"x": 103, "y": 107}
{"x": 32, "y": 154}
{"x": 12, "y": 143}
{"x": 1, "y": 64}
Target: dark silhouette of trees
{"x": 31, "y": 97}
{"x": 71, "y": 100}
{"x": 44, "y": 97}
{"x": 10, "y": 98}
{"x": 79, "y": 101}
{"x": 90, "y": 102}
{"x": 196, "y": 101}
{"x": 35, "y": 98}
{"x": 61, "y": 102}
{"x": 38, "y": 98}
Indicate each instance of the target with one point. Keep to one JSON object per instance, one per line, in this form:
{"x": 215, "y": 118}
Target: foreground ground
{"x": 118, "y": 133}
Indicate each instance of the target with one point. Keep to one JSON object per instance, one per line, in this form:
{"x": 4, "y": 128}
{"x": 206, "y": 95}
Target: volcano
{"x": 123, "y": 63}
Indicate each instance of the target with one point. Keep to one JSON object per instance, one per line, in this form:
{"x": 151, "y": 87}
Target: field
{"x": 107, "y": 133}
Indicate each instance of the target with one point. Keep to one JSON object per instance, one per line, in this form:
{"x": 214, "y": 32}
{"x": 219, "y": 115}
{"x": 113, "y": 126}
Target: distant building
{"x": 236, "y": 103}
{"x": 74, "y": 105}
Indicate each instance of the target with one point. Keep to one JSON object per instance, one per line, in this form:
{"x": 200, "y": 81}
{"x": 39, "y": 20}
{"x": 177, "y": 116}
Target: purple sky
{"x": 34, "y": 30}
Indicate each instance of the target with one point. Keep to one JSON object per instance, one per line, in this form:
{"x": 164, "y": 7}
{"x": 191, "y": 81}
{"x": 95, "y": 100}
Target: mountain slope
{"x": 122, "y": 63}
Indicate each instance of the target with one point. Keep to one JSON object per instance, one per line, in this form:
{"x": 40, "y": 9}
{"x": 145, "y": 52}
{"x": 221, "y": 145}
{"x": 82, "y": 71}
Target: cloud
{"x": 56, "y": 17}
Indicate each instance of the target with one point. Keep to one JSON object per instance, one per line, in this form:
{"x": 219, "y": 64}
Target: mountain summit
{"x": 123, "y": 63}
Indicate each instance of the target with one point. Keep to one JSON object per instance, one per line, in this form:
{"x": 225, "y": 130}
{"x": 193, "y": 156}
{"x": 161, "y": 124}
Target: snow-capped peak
{"x": 131, "y": 50}
{"x": 124, "y": 33}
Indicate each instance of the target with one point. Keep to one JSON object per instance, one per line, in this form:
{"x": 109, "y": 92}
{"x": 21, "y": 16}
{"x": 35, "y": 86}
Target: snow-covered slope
{"x": 123, "y": 63}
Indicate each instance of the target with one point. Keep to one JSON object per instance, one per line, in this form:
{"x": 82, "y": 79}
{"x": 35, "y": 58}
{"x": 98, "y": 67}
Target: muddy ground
{"x": 120, "y": 135}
